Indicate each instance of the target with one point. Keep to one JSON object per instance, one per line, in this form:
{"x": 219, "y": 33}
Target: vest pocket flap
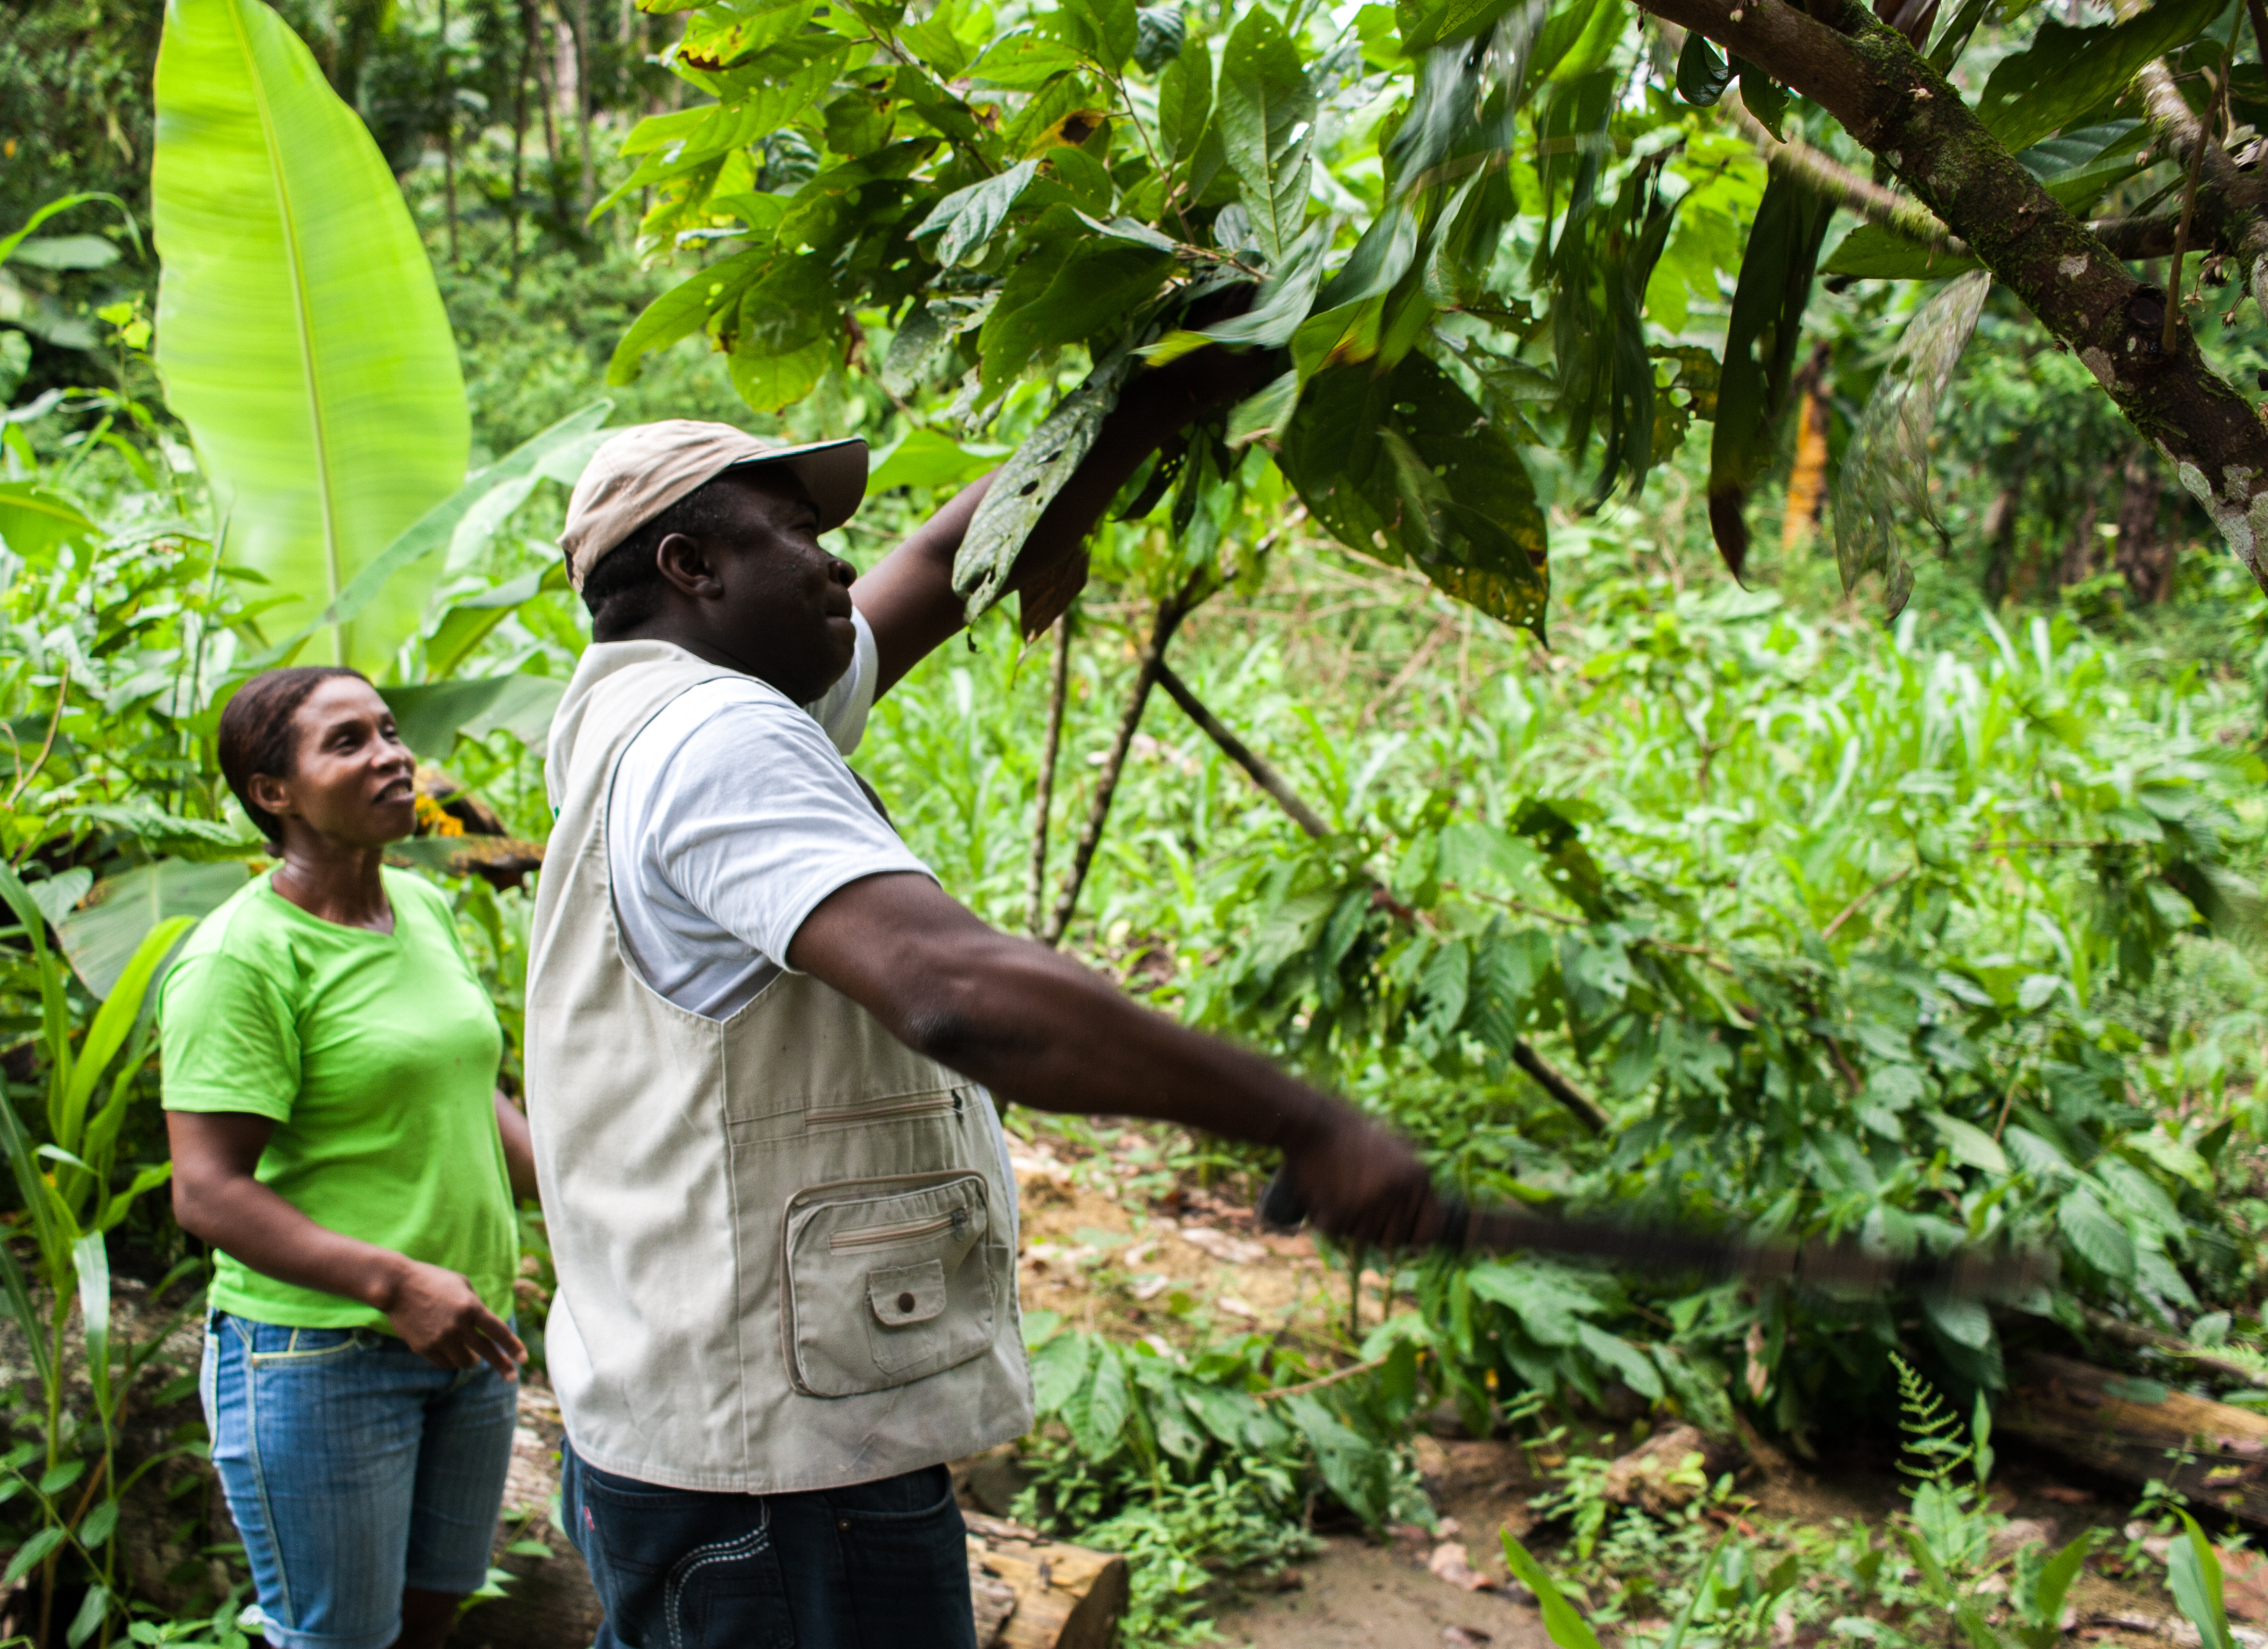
{"x": 887, "y": 1282}
{"x": 907, "y": 1293}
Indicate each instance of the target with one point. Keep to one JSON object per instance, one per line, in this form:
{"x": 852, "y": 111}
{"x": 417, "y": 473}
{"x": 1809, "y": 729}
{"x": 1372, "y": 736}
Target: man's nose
{"x": 841, "y": 570}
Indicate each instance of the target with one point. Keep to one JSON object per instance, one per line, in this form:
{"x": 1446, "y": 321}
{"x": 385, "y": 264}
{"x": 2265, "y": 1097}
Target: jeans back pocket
{"x": 886, "y": 1287}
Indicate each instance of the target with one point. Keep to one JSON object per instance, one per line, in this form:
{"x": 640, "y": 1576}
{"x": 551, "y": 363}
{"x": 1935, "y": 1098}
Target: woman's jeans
{"x": 353, "y": 1467}
{"x": 878, "y": 1565}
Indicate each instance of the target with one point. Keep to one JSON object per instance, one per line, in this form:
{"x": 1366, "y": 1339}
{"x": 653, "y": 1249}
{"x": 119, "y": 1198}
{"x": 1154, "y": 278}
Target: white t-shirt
{"x": 733, "y": 815}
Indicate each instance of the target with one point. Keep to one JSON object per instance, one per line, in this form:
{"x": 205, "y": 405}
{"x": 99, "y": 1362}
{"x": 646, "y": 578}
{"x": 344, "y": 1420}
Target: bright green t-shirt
{"x": 376, "y": 1055}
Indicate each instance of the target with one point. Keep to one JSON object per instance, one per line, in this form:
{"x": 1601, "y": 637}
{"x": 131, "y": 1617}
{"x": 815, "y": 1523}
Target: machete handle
{"x": 1281, "y": 1209}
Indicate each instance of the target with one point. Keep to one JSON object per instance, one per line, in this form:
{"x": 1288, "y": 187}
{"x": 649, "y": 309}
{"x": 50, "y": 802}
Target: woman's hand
{"x": 440, "y": 1316}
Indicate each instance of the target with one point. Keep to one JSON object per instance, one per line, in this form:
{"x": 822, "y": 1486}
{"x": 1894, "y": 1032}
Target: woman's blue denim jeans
{"x": 878, "y": 1565}
{"x": 353, "y": 1467}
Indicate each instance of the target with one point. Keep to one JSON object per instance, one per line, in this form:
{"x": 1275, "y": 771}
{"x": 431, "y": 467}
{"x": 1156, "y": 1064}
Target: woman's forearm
{"x": 241, "y": 1215}
{"x": 519, "y": 1148}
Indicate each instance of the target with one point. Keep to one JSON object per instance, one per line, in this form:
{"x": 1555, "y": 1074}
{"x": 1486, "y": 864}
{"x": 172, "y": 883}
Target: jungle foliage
{"x": 1728, "y": 909}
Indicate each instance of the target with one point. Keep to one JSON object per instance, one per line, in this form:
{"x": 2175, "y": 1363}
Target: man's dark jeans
{"x": 879, "y": 1565}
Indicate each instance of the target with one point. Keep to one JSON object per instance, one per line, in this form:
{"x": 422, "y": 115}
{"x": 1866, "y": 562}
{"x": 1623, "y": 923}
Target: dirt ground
{"x": 1109, "y": 1242}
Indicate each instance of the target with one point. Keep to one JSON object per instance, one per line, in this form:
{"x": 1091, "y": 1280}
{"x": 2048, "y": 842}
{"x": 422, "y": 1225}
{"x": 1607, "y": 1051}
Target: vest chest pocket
{"x": 885, "y": 1288}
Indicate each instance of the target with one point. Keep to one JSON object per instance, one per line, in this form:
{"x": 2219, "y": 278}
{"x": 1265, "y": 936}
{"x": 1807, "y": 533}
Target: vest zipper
{"x": 903, "y": 1108}
{"x": 905, "y": 1231}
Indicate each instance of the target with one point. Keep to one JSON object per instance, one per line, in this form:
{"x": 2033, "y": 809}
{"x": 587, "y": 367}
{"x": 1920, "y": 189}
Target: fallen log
{"x": 2136, "y": 1430}
{"x": 1028, "y": 1591}
{"x": 1057, "y": 1596}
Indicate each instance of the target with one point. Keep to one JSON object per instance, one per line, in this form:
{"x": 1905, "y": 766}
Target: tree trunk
{"x": 1806, "y": 481}
{"x": 2144, "y": 560}
{"x": 546, "y": 70}
{"x": 2136, "y": 1431}
{"x": 520, "y": 131}
{"x": 2000, "y": 531}
{"x": 583, "y": 102}
{"x": 2081, "y": 560}
{"x": 1035, "y": 892}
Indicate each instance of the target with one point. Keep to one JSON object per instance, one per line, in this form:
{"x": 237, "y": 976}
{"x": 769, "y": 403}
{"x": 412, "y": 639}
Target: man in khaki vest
{"x": 760, "y": 1039}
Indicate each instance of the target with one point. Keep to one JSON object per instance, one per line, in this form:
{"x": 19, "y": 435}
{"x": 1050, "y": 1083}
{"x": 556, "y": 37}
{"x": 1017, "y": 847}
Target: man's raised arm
{"x": 908, "y": 598}
{"x": 1040, "y": 1030}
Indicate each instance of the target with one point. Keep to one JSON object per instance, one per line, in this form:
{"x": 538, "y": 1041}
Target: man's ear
{"x": 688, "y": 565}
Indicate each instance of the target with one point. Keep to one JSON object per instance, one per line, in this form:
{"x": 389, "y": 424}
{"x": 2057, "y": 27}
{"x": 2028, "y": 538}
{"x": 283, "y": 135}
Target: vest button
{"x": 905, "y": 1302}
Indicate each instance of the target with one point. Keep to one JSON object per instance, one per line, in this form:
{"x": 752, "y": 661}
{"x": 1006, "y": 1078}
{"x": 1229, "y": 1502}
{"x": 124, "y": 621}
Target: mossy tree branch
{"x": 1889, "y": 99}
{"x": 2231, "y": 207}
{"x": 1902, "y": 214}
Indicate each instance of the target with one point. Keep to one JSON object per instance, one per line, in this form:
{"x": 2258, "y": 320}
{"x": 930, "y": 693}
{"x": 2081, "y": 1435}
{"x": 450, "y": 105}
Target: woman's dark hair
{"x": 257, "y": 735}
{"x": 625, "y": 587}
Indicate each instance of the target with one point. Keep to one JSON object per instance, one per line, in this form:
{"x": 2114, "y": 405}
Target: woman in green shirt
{"x": 330, "y": 1063}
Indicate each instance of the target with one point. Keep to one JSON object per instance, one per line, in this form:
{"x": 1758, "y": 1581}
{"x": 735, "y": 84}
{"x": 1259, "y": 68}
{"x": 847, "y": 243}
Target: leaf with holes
{"x": 1884, "y": 486}
{"x": 1025, "y": 485}
{"x": 1409, "y": 467}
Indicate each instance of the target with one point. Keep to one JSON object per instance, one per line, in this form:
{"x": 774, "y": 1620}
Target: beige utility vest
{"x": 783, "y": 1238}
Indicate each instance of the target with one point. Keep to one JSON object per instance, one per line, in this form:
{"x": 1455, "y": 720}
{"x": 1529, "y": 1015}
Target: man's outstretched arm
{"x": 908, "y": 598}
{"x": 1040, "y": 1030}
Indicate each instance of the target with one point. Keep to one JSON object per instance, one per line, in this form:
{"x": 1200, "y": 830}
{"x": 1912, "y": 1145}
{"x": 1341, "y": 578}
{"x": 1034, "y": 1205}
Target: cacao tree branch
{"x": 2230, "y": 203}
{"x": 2128, "y": 237}
{"x": 1891, "y": 100}
{"x": 1035, "y": 892}
{"x": 1829, "y": 177}
{"x": 1542, "y": 1072}
{"x": 1236, "y": 750}
{"x": 1171, "y": 612}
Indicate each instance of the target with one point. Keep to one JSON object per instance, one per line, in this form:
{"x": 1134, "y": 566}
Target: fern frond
{"x": 1932, "y": 1448}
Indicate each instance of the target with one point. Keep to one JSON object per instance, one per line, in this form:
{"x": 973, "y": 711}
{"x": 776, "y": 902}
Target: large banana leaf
{"x": 299, "y": 332}
{"x": 102, "y": 940}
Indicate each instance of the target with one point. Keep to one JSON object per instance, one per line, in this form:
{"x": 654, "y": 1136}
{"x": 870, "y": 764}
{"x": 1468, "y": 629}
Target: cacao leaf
{"x": 1703, "y": 74}
{"x": 1760, "y": 341}
{"x": 1408, "y": 467}
{"x": 2067, "y": 73}
{"x": 1268, "y": 129}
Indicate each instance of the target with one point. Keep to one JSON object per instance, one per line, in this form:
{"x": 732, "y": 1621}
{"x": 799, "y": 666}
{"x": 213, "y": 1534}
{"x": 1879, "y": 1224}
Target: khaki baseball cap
{"x": 641, "y": 471}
